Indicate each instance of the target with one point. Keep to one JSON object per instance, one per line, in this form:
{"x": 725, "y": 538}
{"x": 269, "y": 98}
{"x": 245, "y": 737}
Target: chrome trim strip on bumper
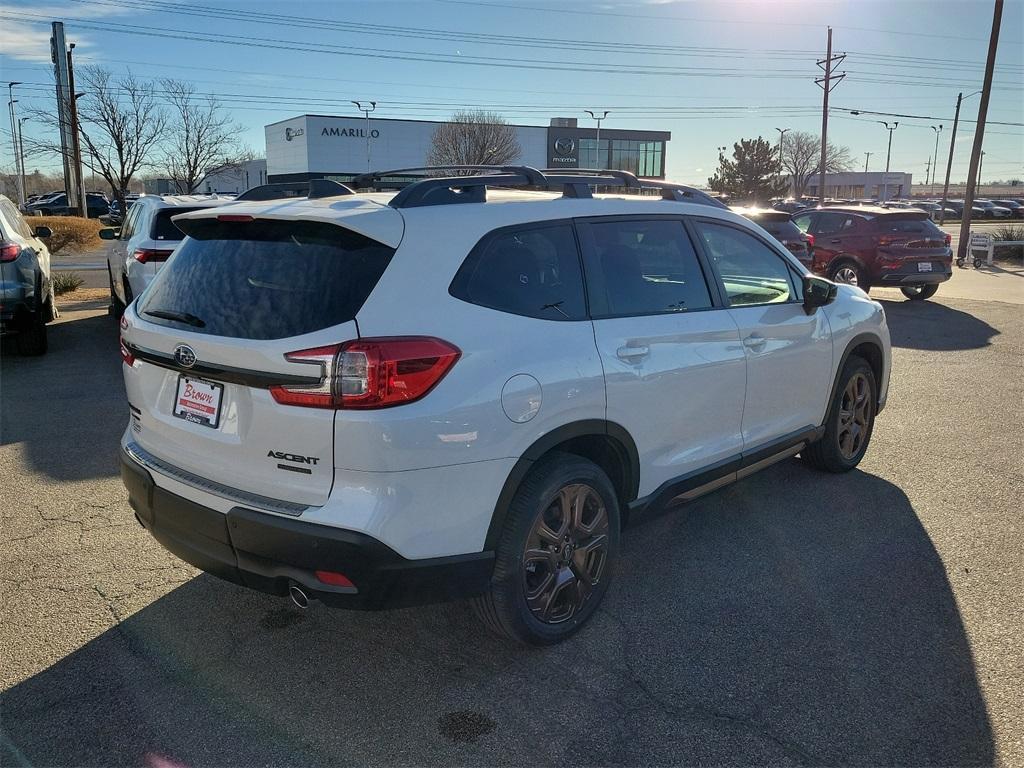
{"x": 253, "y": 500}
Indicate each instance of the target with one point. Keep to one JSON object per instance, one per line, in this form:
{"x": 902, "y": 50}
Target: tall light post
{"x": 867, "y": 157}
{"x": 366, "y": 110}
{"x": 599, "y": 119}
{"x": 782, "y": 133}
{"x": 935, "y": 158}
{"x": 952, "y": 145}
{"x": 888, "y": 156}
{"x": 14, "y": 134}
{"x": 21, "y": 156}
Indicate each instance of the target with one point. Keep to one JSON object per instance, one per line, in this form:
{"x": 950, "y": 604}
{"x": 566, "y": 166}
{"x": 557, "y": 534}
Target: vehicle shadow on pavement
{"x": 67, "y": 408}
{"x": 795, "y": 617}
{"x": 930, "y": 325}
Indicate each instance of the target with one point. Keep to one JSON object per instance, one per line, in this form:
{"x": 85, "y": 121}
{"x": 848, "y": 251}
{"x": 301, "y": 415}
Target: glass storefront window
{"x": 643, "y": 158}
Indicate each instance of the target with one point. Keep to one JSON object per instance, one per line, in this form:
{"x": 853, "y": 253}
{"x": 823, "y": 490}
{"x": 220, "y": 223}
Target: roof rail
{"x": 312, "y": 189}
{"x": 680, "y": 193}
{"x": 431, "y": 171}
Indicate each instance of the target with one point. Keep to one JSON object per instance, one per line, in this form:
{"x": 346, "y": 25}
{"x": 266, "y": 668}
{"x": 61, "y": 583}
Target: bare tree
{"x": 202, "y": 138}
{"x": 474, "y": 138}
{"x": 801, "y": 158}
{"x": 120, "y": 121}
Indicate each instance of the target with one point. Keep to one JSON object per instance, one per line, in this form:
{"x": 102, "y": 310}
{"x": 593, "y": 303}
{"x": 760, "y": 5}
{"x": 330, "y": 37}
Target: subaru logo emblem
{"x": 184, "y": 356}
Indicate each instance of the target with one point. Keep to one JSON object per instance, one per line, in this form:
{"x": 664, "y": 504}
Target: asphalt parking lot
{"x": 872, "y": 618}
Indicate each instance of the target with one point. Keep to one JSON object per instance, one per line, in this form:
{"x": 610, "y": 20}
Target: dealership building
{"x": 332, "y": 147}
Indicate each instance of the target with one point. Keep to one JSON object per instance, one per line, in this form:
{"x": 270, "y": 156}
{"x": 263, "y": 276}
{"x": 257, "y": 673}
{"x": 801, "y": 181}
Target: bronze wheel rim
{"x": 854, "y": 416}
{"x": 566, "y": 554}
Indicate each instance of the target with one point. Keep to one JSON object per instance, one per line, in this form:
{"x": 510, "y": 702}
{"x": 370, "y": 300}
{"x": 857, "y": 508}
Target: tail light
{"x": 126, "y": 356}
{"x": 9, "y": 251}
{"x": 150, "y": 255}
{"x": 949, "y": 240}
{"x": 810, "y": 240}
{"x": 371, "y": 373}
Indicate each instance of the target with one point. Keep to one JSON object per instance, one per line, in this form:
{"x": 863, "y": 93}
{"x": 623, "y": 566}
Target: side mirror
{"x": 43, "y": 232}
{"x": 818, "y": 292}
{"x": 110, "y": 234}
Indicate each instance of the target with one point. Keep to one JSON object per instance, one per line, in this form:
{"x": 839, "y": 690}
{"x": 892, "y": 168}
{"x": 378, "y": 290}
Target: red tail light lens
{"x": 810, "y": 240}
{"x": 126, "y": 356}
{"x": 150, "y": 255}
{"x": 371, "y": 373}
{"x": 9, "y": 251}
{"x": 949, "y": 239}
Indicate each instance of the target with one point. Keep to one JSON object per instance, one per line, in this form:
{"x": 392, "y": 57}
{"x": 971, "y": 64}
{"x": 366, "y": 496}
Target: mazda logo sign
{"x": 184, "y": 356}
{"x": 564, "y": 145}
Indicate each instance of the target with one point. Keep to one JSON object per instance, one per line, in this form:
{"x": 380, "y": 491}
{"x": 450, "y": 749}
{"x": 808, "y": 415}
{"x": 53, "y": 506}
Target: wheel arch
{"x": 607, "y": 444}
{"x": 869, "y": 347}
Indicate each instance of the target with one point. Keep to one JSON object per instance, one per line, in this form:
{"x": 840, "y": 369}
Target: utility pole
{"x": 598, "y": 142}
{"x": 888, "y": 156}
{"x": 76, "y": 148}
{"x": 981, "y": 160}
{"x": 782, "y": 133}
{"x": 21, "y": 156}
{"x": 366, "y": 111}
{"x": 952, "y": 145}
{"x": 867, "y": 157}
{"x": 14, "y": 135}
{"x": 935, "y": 158}
{"x": 927, "y": 170}
{"x": 979, "y": 131}
{"x": 827, "y": 85}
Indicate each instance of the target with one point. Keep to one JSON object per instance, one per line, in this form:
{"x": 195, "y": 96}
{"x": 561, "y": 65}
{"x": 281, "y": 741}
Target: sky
{"x": 709, "y": 72}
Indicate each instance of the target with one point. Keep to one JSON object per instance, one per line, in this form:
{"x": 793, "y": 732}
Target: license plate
{"x": 198, "y": 401}
{"x": 924, "y": 266}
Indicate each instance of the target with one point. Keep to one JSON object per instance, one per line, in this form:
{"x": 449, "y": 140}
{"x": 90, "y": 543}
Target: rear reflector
{"x": 333, "y": 579}
{"x": 150, "y": 255}
{"x": 371, "y": 373}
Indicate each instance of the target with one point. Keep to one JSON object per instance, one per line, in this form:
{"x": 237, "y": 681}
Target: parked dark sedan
{"x": 58, "y": 206}
{"x": 1013, "y": 205}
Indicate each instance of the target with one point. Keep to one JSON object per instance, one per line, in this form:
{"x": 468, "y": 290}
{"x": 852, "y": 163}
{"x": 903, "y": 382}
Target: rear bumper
{"x": 908, "y": 274}
{"x": 269, "y": 553}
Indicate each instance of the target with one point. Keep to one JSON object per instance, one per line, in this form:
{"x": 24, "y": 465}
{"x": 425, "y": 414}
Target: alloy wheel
{"x": 846, "y": 275}
{"x": 854, "y": 416}
{"x": 566, "y": 553}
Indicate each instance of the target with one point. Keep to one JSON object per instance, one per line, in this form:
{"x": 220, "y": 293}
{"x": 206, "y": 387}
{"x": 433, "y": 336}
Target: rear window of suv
{"x": 163, "y": 228}
{"x": 889, "y": 224}
{"x": 265, "y": 279}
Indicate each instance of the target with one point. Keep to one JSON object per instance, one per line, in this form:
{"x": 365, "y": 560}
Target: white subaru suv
{"x": 466, "y": 389}
{"x": 145, "y": 240}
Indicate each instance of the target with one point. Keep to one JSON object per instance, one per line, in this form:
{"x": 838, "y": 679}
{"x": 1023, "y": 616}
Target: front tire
{"x": 850, "y": 420}
{"x": 555, "y": 557}
{"x": 919, "y": 292}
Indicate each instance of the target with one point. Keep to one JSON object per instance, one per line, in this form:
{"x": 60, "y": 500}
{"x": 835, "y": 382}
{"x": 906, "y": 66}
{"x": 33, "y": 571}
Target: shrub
{"x": 66, "y": 282}
{"x": 72, "y": 233}
{"x": 1009, "y": 232}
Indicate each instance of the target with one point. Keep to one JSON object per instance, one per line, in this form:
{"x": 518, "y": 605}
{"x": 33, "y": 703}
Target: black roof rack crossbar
{"x": 312, "y": 189}
{"x": 669, "y": 190}
{"x": 430, "y": 171}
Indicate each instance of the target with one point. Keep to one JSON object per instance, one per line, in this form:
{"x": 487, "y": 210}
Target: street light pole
{"x": 782, "y": 133}
{"x": 935, "y": 158}
{"x": 21, "y": 156}
{"x": 599, "y": 119}
{"x": 14, "y": 133}
{"x": 952, "y": 145}
{"x": 867, "y": 157}
{"x": 366, "y": 111}
{"x": 888, "y": 156}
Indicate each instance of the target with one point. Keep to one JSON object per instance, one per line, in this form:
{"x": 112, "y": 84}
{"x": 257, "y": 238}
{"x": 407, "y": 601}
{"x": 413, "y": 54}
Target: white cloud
{"x": 30, "y": 41}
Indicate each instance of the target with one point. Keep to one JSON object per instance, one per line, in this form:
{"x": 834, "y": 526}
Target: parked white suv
{"x": 27, "y": 301}
{"x": 145, "y": 240}
{"x": 464, "y": 391}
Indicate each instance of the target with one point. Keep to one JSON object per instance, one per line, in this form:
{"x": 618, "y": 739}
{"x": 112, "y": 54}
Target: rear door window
{"x": 531, "y": 270}
{"x": 163, "y": 228}
{"x": 643, "y": 267}
{"x": 264, "y": 279}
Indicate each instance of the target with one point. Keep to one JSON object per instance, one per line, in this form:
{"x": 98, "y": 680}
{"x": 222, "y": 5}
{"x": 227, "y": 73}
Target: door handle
{"x": 754, "y": 342}
{"x": 631, "y": 353}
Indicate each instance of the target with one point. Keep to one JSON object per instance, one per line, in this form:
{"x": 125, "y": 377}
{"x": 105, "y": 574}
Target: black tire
{"x": 835, "y": 451}
{"x": 31, "y": 340}
{"x": 504, "y": 608}
{"x": 838, "y": 273}
{"x": 116, "y": 305}
{"x": 919, "y": 292}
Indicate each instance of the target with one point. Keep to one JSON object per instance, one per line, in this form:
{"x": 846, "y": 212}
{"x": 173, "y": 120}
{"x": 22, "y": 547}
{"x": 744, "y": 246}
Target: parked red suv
{"x": 871, "y": 246}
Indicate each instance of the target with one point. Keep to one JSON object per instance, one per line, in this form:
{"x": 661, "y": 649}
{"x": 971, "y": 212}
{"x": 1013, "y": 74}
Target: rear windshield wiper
{"x": 182, "y": 317}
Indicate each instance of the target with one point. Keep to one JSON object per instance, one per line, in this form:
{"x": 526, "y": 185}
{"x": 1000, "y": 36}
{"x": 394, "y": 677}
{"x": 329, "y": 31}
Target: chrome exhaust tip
{"x": 298, "y": 596}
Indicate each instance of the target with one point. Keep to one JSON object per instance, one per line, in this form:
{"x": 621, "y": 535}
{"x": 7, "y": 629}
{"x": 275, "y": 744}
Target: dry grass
{"x": 69, "y": 232}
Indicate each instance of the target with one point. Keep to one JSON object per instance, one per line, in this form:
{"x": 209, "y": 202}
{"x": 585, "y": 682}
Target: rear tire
{"x": 557, "y": 550}
{"x": 850, "y": 273}
{"x": 850, "y": 420}
{"x": 919, "y": 292}
{"x": 116, "y": 305}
